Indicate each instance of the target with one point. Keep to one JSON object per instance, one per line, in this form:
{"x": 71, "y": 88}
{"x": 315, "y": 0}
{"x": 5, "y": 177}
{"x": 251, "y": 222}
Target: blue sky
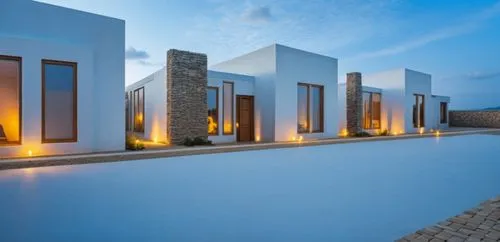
{"x": 458, "y": 42}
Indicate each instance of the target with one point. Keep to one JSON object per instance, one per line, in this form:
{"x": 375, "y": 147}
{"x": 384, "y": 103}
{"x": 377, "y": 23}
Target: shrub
{"x": 133, "y": 143}
{"x": 362, "y": 134}
{"x": 196, "y": 141}
{"x": 384, "y": 132}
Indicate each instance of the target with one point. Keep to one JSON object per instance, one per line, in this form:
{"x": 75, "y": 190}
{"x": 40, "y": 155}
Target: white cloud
{"x": 133, "y": 54}
{"x": 257, "y": 14}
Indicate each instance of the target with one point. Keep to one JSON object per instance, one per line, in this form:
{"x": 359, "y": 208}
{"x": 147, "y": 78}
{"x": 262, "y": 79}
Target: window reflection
{"x": 227, "y": 91}
{"x": 59, "y": 101}
{"x": 309, "y": 108}
{"x": 371, "y": 110}
{"x": 212, "y": 103}
{"x": 10, "y": 100}
{"x": 418, "y": 111}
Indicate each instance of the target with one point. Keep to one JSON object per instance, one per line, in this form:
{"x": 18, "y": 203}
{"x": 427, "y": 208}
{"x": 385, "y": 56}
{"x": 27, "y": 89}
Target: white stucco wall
{"x": 418, "y": 83}
{"x": 262, "y": 65}
{"x": 36, "y": 31}
{"x": 277, "y": 70}
{"x": 296, "y": 66}
{"x": 436, "y": 112}
{"x": 243, "y": 85}
{"x": 155, "y": 104}
{"x": 392, "y": 84}
{"x": 155, "y": 101}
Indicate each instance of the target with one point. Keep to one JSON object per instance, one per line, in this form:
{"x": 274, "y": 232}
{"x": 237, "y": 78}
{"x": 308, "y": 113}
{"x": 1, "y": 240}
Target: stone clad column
{"x": 186, "y": 95}
{"x": 354, "y": 102}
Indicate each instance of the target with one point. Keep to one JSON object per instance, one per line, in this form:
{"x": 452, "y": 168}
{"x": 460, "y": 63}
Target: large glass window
{"x": 371, "y": 110}
{"x": 139, "y": 110}
{"x": 444, "y": 112}
{"x": 418, "y": 111}
{"x": 228, "y": 93}
{"x": 309, "y": 108}
{"x": 59, "y": 101}
{"x": 10, "y": 100}
{"x": 213, "y": 110}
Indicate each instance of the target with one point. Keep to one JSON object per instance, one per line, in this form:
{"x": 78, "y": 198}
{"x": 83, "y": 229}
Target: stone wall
{"x": 354, "y": 102}
{"x": 186, "y": 95}
{"x": 476, "y": 119}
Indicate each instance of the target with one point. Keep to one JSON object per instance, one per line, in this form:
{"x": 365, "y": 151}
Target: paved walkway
{"x": 478, "y": 224}
{"x": 173, "y": 151}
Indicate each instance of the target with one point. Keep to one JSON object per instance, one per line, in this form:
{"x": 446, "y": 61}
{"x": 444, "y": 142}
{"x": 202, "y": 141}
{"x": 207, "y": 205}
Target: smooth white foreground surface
{"x": 373, "y": 191}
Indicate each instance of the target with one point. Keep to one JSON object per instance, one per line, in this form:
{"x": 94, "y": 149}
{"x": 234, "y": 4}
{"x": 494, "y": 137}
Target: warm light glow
{"x": 437, "y": 133}
{"x": 421, "y": 130}
{"x": 155, "y": 139}
{"x": 228, "y": 128}
{"x": 293, "y": 138}
{"x": 212, "y": 126}
{"x": 401, "y": 132}
{"x": 137, "y": 141}
{"x": 30, "y": 153}
{"x": 301, "y": 138}
{"x": 343, "y": 133}
{"x": 237, "y": 125}
{"x": 257, "y": 138}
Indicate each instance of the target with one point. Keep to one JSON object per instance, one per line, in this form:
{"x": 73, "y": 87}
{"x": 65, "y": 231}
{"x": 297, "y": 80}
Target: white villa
{"x": 276, "y": 93}
{"x": 399, "y": 101}
{"x": 62, "y": 77}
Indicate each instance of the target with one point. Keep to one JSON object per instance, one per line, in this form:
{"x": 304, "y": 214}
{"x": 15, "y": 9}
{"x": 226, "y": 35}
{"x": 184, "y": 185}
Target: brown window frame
{"x": 217, "y": 110}
{"x": 421, "y": 119}
{"x": 224, "y": 110}
{"x": 321, "y": 108}
{"x": 20, "y": 97}
{"x": 137, "y": 97}
{"x": 443, "y": 119}
{"x": 372, "y": 127}
{"x": 74, "y": 65}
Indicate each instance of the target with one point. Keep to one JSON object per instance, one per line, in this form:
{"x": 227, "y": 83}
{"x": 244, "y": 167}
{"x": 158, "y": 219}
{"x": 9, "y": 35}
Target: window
{"x": 130, "y": 116}
{"x": 228, "y": 94}
{"x": 213, "y": 110}
{"x": 127, "y": 111}
{"x": 59, "y": 101}
{"x": 371, "y": 110}
{"x": 444, "y": 112}
{"x": 139, "y": 110}
{"x": 10, "y": 100}
{"x": 309, "y": 108}
{"x": 418, "y": 111}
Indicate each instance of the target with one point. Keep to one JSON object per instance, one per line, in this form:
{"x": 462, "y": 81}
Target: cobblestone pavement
{"x": 478, "y": 224}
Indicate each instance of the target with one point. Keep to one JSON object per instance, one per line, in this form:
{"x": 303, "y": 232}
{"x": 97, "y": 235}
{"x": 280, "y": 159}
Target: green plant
{"x": 134, "y": 143}
{"x": 362, "y": 134}
{"x": 188, "y": 142}
{"x": 384, "y": 132}
{"x": 196, "y": 141}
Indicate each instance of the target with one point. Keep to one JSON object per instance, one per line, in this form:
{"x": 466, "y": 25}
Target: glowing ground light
{"x": 30, "y": 153}
{"x": 421, "y": 131}
{"x": 437, "y": 133}
{"x": 257, "y": 138}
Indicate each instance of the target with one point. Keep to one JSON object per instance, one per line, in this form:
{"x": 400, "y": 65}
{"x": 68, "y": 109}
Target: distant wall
{"x": 477, "y": 119}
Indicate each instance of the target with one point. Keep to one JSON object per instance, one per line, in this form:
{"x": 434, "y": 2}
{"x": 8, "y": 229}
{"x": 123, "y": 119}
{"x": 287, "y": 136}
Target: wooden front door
{"x": 244, "y": 118}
